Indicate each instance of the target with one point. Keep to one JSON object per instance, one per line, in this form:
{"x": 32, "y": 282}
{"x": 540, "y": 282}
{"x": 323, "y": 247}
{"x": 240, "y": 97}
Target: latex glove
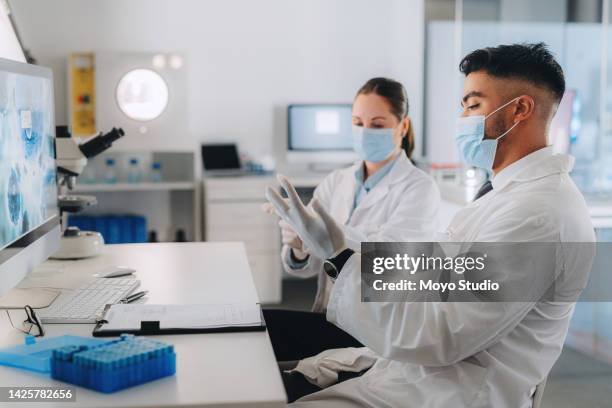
{"x": 288, "y": 235}
{"x": 291, "y": 239}
{"x": 269, "y": 208}
{"x": 323, "y": 369}
{"x": 317, "y": 229}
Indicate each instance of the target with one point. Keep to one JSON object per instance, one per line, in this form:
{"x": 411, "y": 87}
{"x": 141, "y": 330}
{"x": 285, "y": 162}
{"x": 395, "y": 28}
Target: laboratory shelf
{"x": 169, "y": 205}
{"x": 145, "y": 186}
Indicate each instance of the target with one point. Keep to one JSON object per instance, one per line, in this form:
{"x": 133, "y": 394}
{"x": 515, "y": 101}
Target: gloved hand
{"x": 291, "y": 239}
{"x": 288, "y": 235}
{"x": 317, "y": 229}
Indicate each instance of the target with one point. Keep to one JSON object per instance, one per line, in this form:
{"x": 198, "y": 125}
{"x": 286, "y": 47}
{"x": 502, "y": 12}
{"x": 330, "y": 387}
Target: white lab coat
{"x": 403, "y": 206}
{"x": 468, "y": 354}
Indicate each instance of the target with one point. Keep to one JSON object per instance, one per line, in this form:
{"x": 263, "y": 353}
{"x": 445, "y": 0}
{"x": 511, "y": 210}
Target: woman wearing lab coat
{"x": 383, "y": 197}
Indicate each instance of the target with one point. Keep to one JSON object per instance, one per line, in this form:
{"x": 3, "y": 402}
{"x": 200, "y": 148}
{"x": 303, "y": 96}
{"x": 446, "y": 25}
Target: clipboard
{"x": 152, "y": 327}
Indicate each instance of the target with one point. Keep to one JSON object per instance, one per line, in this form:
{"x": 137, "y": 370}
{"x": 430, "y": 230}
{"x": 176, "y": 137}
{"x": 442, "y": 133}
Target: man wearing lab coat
{"x": 446, "y": 354}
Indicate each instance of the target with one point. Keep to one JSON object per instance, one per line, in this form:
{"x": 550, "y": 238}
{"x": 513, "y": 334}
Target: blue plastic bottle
{"x": 156, "y": 173}
{"x": 111, "y": 173}
{"x": 133, "y": 171}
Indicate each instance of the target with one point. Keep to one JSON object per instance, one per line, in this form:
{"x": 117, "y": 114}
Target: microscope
{"x": 71, "y": 161}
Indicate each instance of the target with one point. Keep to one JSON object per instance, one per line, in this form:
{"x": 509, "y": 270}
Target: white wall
{"x": 247, "y": 59}
{"x": 530, "y": 10}
{"x": 9, "y": 45}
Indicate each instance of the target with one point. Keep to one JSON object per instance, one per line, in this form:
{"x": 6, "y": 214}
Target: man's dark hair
{"x": 529, "y": 62}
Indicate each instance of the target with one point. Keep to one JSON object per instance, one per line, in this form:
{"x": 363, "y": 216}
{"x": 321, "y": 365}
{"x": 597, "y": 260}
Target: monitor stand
{"x": 38, "y": 298}
{"x": 326, "y": 167}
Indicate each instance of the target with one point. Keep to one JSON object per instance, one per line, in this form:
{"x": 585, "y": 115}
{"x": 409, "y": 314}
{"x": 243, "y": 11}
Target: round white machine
{"x": 77, "y": 244}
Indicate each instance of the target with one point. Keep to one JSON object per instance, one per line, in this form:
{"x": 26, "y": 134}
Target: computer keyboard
{"x": 85, "y": 304}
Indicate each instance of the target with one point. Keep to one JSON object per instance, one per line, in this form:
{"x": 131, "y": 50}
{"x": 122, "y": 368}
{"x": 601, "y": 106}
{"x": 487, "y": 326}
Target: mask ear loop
{"x": 508, "y": 131}
{"x": 500, "y": 108}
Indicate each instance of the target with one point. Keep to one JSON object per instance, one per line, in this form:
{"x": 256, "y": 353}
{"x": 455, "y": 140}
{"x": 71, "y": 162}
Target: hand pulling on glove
{"x": 288, "y": 235}
{"x": 317, "y": 229}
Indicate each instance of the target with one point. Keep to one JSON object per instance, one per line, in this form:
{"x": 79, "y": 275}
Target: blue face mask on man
{"x": 373, "y": 145}
{"x": 475, "y": 150}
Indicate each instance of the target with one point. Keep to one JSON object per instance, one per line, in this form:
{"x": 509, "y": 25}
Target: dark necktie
{"x": 484, "y": 189}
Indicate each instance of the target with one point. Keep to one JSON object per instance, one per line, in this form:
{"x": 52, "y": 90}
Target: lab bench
{"x": 212, "y": 370}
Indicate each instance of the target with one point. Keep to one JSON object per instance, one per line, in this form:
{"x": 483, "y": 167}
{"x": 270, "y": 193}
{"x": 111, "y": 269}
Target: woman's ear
{"x": 406, "y": 125}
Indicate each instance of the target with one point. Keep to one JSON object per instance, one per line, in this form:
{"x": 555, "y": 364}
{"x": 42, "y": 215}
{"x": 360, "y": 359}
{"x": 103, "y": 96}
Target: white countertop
{"x": 221, "y": 369}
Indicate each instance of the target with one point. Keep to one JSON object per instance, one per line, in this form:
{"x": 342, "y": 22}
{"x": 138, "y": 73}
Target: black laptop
{"x": 221, "y": 160}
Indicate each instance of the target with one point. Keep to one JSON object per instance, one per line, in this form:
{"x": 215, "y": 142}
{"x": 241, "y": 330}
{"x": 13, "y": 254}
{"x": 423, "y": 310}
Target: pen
{"x": 133, "y": 297}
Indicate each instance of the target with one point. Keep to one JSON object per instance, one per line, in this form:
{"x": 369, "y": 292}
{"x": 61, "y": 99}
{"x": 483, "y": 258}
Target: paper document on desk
{"x": 130, "y": 316}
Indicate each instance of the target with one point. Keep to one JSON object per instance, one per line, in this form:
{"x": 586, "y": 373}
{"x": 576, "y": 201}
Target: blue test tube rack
{"x": 116, "y": 365}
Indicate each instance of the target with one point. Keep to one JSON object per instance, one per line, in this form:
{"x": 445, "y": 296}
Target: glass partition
{"x": 583, "y": 123}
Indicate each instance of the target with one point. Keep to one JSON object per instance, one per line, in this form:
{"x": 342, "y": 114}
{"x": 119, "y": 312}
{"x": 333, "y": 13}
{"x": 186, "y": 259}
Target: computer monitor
{"x": 29, "y": 216}
{"x": 320, "y": 133}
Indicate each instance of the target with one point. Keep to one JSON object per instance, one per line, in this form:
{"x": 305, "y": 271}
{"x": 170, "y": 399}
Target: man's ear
{"x": 525, "y": 108}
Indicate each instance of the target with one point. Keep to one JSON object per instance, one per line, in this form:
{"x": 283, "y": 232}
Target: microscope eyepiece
{"x": 62, "y": 132}
{"x": 101, "y": 142}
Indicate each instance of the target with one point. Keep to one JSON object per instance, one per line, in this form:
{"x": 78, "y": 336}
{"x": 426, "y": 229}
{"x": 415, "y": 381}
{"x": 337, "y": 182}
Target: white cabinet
{"x": 233, "y": 213}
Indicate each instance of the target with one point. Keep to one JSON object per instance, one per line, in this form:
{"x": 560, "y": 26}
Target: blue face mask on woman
{"x": 373, "y": 145}
{"x": 475, "y": 150}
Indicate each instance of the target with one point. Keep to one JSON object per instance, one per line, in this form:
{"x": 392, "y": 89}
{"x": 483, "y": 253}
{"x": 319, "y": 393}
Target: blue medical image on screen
{"x": 32, "y": 136}
{"x": 28, "y": 192}
{"x": 14, "y": 198}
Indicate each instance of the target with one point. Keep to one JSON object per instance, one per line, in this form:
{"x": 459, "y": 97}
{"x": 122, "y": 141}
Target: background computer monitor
{"x": 320, "y": 133}
{"x": 29, "y": 217}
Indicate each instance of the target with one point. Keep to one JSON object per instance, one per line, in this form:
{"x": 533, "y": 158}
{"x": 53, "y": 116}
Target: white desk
{"x": 213, "y": 370}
